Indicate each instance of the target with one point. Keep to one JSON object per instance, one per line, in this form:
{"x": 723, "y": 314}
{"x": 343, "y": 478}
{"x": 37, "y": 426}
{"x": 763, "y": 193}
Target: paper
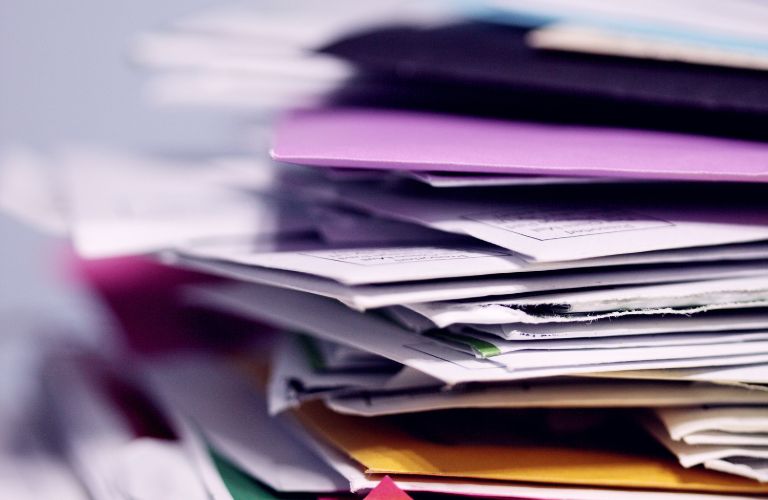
{"x": 383, "y": 447}
{"x": 753, "y": 468}
{"x": 408, "y": 140}
{"x": 361, "y": 481}
{"x": 484, "y": 346}
{"x": 572, "y": 229}
{"x": 718, "y": 321}
{"x": 565, "y": 393}
{"x": 393, "y": 261}
{"x": 612, "y": 42}
{"x": 460, "y": 180}
{"x": 380, "y": 295}
{"x": 747, "y": 375}
{"x": 692, "y": 294}
{"x": 119, "y": 205}
{"x": 444, "y": 314}
{"x": 232, "y": 416}
{"x": 722, "y": 438}
{"x": 691, "y": 455}
{"x": 538, "y": 359}
{"x": 298, "y": 374}
{"x": 682, "y": 422}
{"x": 333, "y": 321}
{"x": 739, "y": 23}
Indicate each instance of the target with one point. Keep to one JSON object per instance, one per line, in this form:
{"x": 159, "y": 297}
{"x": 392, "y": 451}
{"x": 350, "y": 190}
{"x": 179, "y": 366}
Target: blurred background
{"x": 66, "y": 79}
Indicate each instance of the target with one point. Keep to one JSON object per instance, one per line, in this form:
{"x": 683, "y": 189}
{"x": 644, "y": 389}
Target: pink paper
{"x": 387, "y": 490}
{"x": 409, "y": 140}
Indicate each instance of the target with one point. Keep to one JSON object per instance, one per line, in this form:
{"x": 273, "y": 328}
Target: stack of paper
{"x": 491, "y": 266}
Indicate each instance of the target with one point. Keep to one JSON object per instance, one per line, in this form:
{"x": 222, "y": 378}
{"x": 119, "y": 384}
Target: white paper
{"x": 722, "y": 438}
{"x": 748, "y": 375}
{"x": 472, "y": 342}
{"x": 333, "y": 321}
{"x": 363, "y": 297}
{"x": 743, "y": 20}
{"x": 548, "y": 232}
{"x": 293, "y": 380}
{"x": 180, "y": 50}
{"x": 454, "y": 180}
{"x": 524, "y": 359}
{"x": 612, "y": 42}
{"x": 444, "y": 314}
{"x": 753, "y": 468}
{"x": 698, "y": 293}
{"x": 122, "y": 205}
{"x": 633, "y": 325}
{"x": 392, "y": 262}
{"x": 691, "y": 455}
{"x": 681, "y": 422}
{"x": 577, "y": 393}
{"x": 232, "y": 415}
{"x": 304, "y": 25}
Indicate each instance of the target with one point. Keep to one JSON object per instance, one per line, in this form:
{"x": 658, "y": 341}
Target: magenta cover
{"x": 410, "y": 140}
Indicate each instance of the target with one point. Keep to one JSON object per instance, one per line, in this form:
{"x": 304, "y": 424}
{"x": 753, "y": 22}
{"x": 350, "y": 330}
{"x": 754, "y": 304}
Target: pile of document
{"x": 502, "y": 249}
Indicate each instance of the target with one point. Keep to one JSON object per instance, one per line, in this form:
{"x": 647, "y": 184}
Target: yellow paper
{"x": 383, "y": 448}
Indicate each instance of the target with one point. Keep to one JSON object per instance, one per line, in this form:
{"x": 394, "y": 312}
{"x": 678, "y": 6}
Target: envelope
{"x": 412, "y": 140}
{"x": 383, "y": 447}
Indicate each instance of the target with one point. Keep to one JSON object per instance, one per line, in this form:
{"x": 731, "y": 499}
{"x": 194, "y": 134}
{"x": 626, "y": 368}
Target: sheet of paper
{"x": 120, "y": 205}
{"x": 459, "y": 180}
{"x": 185, "y": 50}
{"x": 301, "y": 25}
{"x": 738, "y": 23}
{"x": 749, "y": 375}
{"x": 298, "y": 374}
{"x": 681, "y": 422}
{"x": 233, "y": 417}
{"x": 717, "y": 321}
{"x": 411, "y": 140}
{"x": 695, "y": 293}
{"x": 444, "y": 314}
{"x": 383, "y": 446}
{"x": 392, "y": 262}
{"x": 577, "y": 393}
{"x": 333, "y": 321}
{"x": 381, "y": 295}
{"x": 537, "y": 359}
{"x": 484, "y": 346}
{"x": 692, "y": 455}
{"x": 753, "y": 468}
{"x": 612, "y": 42}
{"x": 722, "y": 438}
{"x": 565, "y": 230}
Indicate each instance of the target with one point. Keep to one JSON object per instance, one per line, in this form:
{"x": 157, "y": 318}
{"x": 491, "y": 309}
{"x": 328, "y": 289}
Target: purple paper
{"x": 408, "y": 140}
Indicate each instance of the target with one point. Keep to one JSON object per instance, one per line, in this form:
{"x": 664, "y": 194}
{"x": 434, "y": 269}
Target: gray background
{"x": 65, "y": 78}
